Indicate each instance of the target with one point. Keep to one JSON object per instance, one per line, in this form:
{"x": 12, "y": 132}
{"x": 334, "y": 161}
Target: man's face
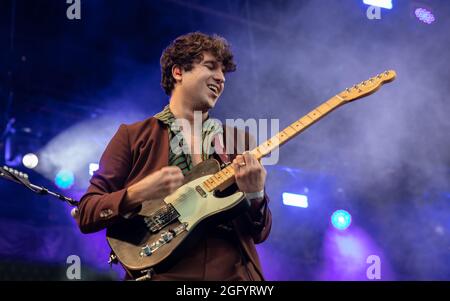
{"x": 204, "y": 83}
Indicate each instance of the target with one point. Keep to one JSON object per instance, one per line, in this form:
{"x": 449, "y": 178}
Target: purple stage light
{"x": 348, "y": 256}
{"x": 424, "y": 15}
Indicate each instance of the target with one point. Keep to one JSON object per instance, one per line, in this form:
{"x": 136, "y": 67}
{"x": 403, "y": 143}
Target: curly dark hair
{"x": 188, "y": 49}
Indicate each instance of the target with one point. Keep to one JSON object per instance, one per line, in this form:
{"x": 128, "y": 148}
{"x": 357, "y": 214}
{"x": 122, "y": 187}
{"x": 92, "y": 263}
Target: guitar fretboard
{"x": 225, "y": 177}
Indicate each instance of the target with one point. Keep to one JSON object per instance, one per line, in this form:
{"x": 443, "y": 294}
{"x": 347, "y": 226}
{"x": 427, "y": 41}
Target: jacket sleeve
{"x": 100, "y": 205}
{"x": 260, "y": 221}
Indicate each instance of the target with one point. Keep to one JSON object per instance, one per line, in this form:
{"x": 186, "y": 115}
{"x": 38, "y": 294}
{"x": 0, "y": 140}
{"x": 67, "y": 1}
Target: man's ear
{"x": 177, "y": 73}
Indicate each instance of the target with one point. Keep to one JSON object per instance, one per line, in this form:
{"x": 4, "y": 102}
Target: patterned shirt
{"x": 179, "y": 154}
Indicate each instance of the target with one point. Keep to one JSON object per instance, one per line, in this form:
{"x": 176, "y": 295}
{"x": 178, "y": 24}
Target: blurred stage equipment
{"x": 18, "y": 177}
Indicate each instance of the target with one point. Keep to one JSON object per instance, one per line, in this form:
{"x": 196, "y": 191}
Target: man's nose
{"x": 219, "y": 76}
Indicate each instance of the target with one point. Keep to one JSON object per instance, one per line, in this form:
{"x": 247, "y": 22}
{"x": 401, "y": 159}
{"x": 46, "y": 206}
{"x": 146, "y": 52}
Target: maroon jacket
{"x": 136, "y": 151}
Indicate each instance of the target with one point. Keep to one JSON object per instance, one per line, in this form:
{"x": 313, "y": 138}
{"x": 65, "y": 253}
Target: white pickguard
{"x": 193, "y": 208}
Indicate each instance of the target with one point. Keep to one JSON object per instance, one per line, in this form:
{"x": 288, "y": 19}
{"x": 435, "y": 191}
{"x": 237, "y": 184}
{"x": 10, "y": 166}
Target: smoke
{"x": 390, "y": 148}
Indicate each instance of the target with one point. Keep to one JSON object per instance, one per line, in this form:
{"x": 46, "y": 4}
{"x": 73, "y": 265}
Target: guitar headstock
{"x": 367, "y": 87}
{"x": 13, "y": 175}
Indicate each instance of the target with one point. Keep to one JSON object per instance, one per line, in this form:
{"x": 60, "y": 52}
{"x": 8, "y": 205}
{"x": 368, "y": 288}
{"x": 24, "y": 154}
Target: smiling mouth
{"x": 214, "y": 89}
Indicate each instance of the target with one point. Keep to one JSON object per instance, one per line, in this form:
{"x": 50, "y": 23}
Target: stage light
{"x": 30, "y": 160}
{"x": 92, "y": 168}
{"x": 297, "y": 200}
{"x": 341, "y": 219}
{"x": 64, "y": 179}
{"x": 379, "y": 3}
{"x": 424, "y": 15}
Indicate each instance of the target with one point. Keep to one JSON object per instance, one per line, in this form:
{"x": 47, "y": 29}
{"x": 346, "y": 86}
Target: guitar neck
{"x": 225, "y": 177}
{"x": 297, "y": 127}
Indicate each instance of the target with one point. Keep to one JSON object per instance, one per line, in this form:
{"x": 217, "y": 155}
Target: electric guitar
{"x": 164, "y": 228}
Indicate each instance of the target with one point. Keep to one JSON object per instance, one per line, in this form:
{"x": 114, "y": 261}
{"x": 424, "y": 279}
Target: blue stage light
{"x": 292, "y": 199}
{"x": 379, "y": 3}
{"x": 64, "y": 179}
{"x": 341, "y": 219}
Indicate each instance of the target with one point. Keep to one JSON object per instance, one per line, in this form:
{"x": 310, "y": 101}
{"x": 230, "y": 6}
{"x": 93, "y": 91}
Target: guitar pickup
{"x": 200, "y": 191}
{"x": 161, "y": 218}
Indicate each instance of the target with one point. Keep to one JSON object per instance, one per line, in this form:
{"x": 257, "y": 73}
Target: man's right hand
{"x": 154, "y": 186}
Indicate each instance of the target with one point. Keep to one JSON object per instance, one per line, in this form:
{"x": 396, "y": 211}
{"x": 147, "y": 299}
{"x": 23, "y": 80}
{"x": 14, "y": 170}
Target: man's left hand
{"x": 249, "y": 172}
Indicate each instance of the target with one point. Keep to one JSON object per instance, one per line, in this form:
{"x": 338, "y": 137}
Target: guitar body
{"x": 146, "y": 242}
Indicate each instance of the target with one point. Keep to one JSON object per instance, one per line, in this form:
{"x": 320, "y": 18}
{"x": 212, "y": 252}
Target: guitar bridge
{"x": 161, "y": 218}
{"x": 165, "y": 238}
